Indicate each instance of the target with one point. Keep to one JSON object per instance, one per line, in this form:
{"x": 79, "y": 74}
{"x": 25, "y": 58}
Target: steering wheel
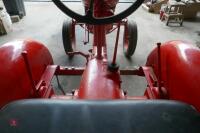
{"x": 90, "y": 19}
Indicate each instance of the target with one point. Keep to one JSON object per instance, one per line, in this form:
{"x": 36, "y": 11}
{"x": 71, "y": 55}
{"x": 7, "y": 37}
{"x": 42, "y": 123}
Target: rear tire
{"x": 130, "y": 38}
{"x": 68, "y": 36}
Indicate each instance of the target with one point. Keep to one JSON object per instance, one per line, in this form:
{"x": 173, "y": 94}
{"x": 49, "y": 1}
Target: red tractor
{"x": 171, "y": 102}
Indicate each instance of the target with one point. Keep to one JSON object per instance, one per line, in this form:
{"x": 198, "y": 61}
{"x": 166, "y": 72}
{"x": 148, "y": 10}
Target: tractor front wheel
{"x": 68, "y": 35}
{"x": 130, "y": 38}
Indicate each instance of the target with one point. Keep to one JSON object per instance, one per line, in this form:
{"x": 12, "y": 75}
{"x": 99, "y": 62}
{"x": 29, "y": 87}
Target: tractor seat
{"x": 82, "y": 116}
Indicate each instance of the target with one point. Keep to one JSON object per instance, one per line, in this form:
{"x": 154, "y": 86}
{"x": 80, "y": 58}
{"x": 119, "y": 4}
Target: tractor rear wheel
{"x": 68, "y": 35}
{"x": 130, "y": 38}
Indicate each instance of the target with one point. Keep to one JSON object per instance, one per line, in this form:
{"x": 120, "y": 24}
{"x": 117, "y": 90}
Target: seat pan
{"x": 81, "y": 116}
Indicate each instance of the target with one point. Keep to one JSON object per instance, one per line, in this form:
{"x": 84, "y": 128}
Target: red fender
{"x": 180, "y": 67}
{"x": 14, "y": 81}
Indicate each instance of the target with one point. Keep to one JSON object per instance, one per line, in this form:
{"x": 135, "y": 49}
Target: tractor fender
{"x": 180, "y": 70}
{"x": 14, "y": 80}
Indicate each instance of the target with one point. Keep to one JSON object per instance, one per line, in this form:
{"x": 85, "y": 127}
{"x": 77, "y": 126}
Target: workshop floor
{"x": 44, "y": 22}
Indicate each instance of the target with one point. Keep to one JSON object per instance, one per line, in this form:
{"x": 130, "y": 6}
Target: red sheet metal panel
{"x": 180, "y": 70}
{"x": 99, "y": 83}
{"x": 14, "y": 80}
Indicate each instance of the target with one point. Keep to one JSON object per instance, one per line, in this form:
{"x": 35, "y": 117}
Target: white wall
{"x": 1, "y": 3}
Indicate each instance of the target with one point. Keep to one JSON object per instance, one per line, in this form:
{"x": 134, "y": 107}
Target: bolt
{"x": 125, "y": 92}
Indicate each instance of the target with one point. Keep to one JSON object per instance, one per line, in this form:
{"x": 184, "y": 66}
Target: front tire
{"x": 130, "y": 38}
{"x": 68, "y": 35}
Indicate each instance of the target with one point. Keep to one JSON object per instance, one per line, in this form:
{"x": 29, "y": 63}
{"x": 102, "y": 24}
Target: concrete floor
{"x": 44, "y": 22}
